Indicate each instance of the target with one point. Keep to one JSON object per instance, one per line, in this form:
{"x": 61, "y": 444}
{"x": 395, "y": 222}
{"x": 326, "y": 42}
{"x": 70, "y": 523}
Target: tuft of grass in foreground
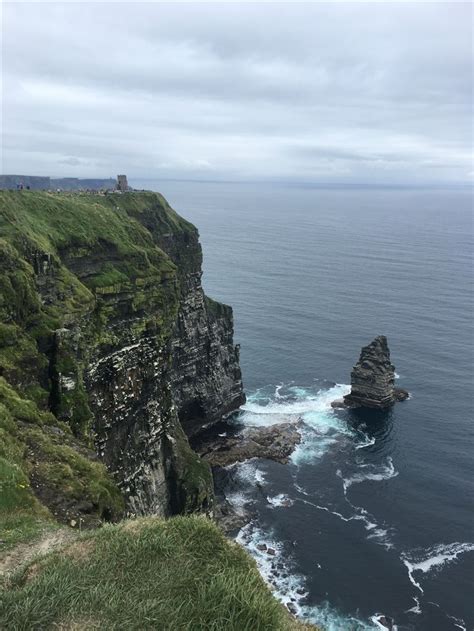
{"x": 175, "y": 575}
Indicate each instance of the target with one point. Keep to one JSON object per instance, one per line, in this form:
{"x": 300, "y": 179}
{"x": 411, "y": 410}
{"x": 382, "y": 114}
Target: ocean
{"x": 373, "y": 515}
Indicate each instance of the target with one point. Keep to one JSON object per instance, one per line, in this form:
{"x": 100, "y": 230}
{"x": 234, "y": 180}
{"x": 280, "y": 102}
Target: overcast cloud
{"x": 343, "y": 92}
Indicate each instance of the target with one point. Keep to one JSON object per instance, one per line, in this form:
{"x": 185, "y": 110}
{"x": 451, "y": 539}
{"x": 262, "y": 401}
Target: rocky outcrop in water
{"x": 275, "y": 442}
{"x": 373, "y": 379}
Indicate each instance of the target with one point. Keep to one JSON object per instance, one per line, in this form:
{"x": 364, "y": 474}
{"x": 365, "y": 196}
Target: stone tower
{"x": 122, "y": 184}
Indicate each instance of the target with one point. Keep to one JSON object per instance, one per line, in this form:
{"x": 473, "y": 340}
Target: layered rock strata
{"x": 373, "y": 379}
{"x": 205, "y": 376}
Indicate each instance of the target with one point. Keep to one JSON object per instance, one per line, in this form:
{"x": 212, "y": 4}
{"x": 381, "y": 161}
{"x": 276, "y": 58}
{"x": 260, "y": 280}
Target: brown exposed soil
{"x": 23, "y": 554}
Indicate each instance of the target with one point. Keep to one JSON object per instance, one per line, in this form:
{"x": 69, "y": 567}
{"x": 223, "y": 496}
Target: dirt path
{"x": 22, "y": 554}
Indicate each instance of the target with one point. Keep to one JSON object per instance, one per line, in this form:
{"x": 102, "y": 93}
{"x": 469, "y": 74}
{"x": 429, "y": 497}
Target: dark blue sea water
{"x": 374, "y": 513}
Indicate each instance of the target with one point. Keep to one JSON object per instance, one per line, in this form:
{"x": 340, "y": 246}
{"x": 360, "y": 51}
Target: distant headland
{"x": 46, "y": 183}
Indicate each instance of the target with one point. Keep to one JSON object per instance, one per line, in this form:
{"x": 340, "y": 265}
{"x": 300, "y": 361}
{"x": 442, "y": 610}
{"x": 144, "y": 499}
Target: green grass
{"x": 78, "y": 224}
{"x": 22, "y": 517}
{"x": 175, "y": 575}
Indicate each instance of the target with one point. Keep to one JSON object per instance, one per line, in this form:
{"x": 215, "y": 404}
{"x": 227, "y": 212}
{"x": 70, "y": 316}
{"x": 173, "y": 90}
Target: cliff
{"x": 108, "y": 348}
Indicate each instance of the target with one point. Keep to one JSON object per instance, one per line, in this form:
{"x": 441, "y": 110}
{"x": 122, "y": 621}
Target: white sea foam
{"x": 248, "y": 476}
{"x": 441, "y": 554}
{"x": 380, "y": 535}
{"x": 321, "y": 426}
{"x": 239, "y": 501}
{"x": 300, "y": 489}
{"x": 248, "y": 473}
{"x": 331, "y": 620}
{"x": 376, "y": 619}
{"x": 373, "y": 472}
{"x": 277, "y": 392}
{"x": 280, "y": 500}
{"x": 260, "y": 410}
{"x": 409, "y": 567}
{"x": 433, "y": 558}
{"x": 458, "y": 622}
{"x": 368, "y": 442}
{"x": 416, "y": 607}
{"x": 311, "y": 448}
{"x": 273, "y": 565}
{"x": 436, "y": 557}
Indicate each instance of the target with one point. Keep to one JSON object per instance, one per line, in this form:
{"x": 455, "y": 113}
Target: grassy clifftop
{"x": 174, "y": 575}
{"x": 45, "y": 283}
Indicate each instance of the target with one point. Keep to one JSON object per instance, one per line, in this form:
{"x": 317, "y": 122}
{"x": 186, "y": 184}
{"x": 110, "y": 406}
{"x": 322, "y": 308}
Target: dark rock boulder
{"x": 373, "y": 379}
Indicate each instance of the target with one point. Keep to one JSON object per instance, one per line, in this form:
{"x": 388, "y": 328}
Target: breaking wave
{"x": 269, "y": 409}
{"x": 280, "y": 500}
{"x": 320, "y": 427}
{"x": 247, "y": 476}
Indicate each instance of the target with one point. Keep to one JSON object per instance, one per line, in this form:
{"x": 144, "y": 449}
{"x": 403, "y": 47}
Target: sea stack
{"x": 373, "y": 379}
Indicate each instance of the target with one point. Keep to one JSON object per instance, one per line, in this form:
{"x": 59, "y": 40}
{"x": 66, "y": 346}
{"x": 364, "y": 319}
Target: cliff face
{"x": 205, "y": 376}
{"x": 116, "y": 337}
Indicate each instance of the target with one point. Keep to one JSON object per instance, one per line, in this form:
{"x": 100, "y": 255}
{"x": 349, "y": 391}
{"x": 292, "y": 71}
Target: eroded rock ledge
{"x": 275, "y": 442}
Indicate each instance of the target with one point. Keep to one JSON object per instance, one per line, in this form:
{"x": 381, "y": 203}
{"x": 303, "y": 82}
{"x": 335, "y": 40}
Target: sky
{"x": 340, "y": 92}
